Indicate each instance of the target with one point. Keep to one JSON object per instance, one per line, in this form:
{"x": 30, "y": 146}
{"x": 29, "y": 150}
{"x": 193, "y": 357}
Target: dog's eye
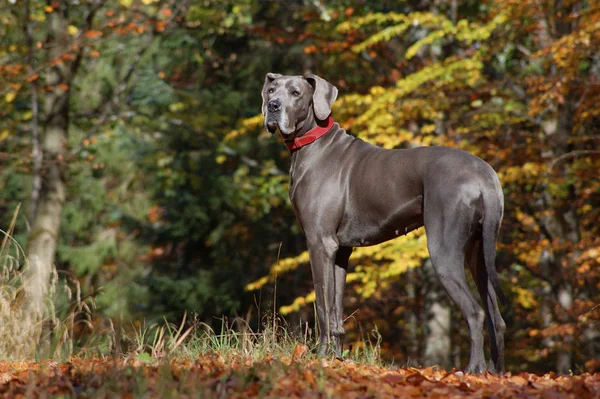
{"x": 295, "y": 93}
{"x": 271, "y": 90}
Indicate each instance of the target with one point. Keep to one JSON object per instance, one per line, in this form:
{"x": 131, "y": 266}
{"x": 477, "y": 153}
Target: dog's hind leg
{"x": 499, "y": 329}
{"x": 447, "y": 229}
{"x": 495, "y": 323}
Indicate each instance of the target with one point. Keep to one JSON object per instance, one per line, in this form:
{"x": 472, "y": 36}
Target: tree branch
{"x": 572, "y": 154}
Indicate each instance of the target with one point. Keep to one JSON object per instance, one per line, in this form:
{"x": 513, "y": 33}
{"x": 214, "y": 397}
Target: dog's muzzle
{"x": 273, "y": 115}
{"x": 272, "y": 124}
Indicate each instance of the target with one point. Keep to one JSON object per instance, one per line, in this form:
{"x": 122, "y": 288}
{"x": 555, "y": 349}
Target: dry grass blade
{"x": 28, "y": 332}
{"x": 11, "y": 229}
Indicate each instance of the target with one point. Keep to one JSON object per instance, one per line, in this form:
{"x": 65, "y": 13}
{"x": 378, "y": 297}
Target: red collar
{"x": 309, "y": 136}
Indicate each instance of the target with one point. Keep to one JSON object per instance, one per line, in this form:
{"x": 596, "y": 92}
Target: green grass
{"x": 190, "y": 340}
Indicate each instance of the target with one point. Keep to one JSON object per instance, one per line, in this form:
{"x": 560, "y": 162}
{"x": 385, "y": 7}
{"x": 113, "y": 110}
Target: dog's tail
{"x": 493, "y": 205}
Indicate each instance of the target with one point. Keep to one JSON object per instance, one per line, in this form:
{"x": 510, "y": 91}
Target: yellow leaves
{"x": 258, "y": 284}
{"x": 288, "y": 264}
{"x": 10, "y": 96}
{"x": 73, "y": 30}
{"x": 397, "y": 255}
{"x": 526, "y": 220}
{"x": 530, "y": 252}
{"x": 526, "y": 173}
{"x": 383, "y": 109}
{"x": 390, "y": 137}
{"x": 440, "y": 25}
{"x": 177, "y": 107}
{"x": 298, "y": 303}
{"x": 384, "y": 122}
{"x": 561, "y": 60}
{"x": 38, "y": 15}
{"x": 385, "y": 35}
{"x": 283, "y": 266}
{"x": 429, "y": 39}
{"x": 392, "y": 259}
{"x": 406, "y": 21}
{"x": 525, "y": 297}
{"x": 378, "y": 265}
{"x": 4, "y": 135}
{"x": 247, "y": 125}
{"x": 474, "y": 32}
{"x": 569, "y": 50}
{"x": 27, "y": 115}
{"x": 592, "y": 253}
{"x": 430, "y": 128}
{"x": 371, "y": 18}
{"x": 476, "y": 103}
{"x": 588, "y": 260}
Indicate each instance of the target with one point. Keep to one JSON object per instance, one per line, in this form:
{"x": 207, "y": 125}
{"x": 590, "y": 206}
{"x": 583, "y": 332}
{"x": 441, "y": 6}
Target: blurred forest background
{"x": 132, "y": 138}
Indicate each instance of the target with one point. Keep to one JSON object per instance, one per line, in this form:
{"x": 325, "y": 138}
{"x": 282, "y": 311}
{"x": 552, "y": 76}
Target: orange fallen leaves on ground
{"x": 300, "y": 376}
{"x": 299, "y": 351}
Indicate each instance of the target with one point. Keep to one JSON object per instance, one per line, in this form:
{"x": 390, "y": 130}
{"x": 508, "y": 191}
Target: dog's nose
{"x": 274, "y": 105}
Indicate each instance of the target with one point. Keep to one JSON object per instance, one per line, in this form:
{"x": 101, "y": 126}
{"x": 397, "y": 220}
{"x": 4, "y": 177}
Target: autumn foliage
{"x": 215, "y": 376}
{"x": 134, "y": 162}
{"x": 514, "y": 88}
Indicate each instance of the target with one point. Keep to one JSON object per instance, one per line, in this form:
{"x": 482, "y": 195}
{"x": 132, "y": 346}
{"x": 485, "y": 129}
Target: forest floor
{"x": 298, "y": 375}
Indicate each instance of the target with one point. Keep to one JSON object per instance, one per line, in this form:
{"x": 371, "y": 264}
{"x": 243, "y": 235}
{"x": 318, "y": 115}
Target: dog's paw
{"x": 478, "y": 368}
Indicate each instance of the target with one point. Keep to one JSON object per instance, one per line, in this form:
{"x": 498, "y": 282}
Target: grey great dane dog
{"x": 348, "y": 193}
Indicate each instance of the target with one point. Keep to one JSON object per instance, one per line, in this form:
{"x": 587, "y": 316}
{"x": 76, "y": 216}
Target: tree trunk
{"x": 413, "y": 344}
{"x": 438, "y": 346}
{"x": 35, "y": 136}
{"x": 46, "y": 219}
{"x": 562, "y": 224}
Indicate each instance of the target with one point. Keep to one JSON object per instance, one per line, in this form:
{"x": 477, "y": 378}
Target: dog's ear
{"x": 323, "y": 96}
{"x": 268, "y": 79}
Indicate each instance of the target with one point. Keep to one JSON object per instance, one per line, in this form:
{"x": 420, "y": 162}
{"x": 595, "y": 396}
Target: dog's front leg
{"x": 322, "y": 252}
{"x": 341, "y": 266}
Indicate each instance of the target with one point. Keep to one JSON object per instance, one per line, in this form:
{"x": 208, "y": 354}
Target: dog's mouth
{"x": 273, "y": 124}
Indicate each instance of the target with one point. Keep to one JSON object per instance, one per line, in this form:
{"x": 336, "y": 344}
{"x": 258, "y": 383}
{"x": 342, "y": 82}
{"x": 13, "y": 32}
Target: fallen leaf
{"x": 517, "y": 379}
{"x": 299, "y": 351}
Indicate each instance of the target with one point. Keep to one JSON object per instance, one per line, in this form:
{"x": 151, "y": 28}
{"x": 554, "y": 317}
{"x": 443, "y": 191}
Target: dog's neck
{"x": 320, "y": 129}
{"x": 308, "y": 124}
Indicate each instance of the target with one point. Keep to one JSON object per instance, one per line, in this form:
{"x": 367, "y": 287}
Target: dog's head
{"x": 292, "y": 103}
